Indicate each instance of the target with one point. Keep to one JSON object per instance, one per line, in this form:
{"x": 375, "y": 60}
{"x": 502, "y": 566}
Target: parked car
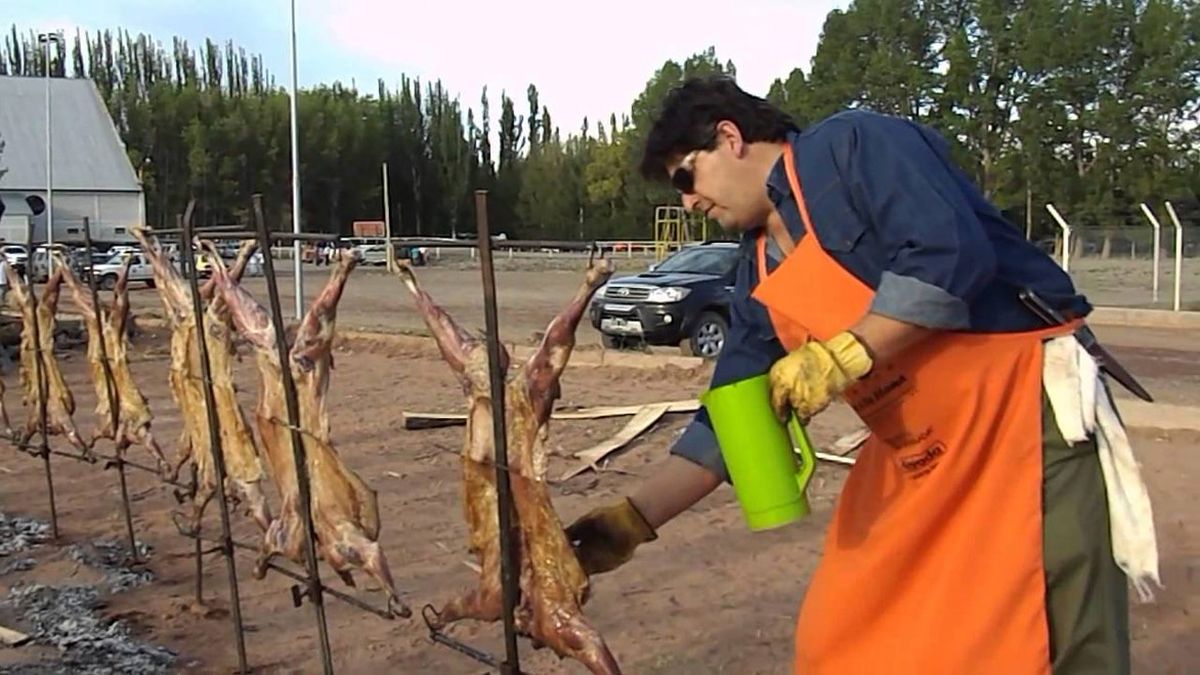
{"x": 372, "y": 254}
{"x": 683, "y": 301}
{"x": 17, "y": 256}
{"x": 39, "y": 264}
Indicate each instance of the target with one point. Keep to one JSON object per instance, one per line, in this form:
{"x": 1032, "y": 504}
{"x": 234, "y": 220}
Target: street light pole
{"x": 46, "y": 39}
{"x": 389, "y": 250}
{"x": 298, "y": 280}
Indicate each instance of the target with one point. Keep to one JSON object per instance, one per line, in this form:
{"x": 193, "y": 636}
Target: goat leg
{"x": 453, "y": 341}
{"x": 144, "y": 436}
{"x": 352, "y": 549}
{"x": 8, "y": 429}
{"x": 284, "y": 537}
{"x": 185, "y": 453}
{"x": 256, "y": 502}
{"x": 548, "y": 362}
{"x": 314, "y": 338}
{"x": 167, "y": 279}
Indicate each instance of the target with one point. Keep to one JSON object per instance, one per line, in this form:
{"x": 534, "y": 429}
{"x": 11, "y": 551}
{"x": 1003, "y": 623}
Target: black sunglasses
{"x": 684, "y": 178}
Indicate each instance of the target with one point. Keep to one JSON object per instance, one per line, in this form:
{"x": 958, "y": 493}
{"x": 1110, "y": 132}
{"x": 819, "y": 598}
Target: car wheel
{"x": 708, "y": 337}
{"x": 108, "y": 282}
{"x": 612, "y": 341}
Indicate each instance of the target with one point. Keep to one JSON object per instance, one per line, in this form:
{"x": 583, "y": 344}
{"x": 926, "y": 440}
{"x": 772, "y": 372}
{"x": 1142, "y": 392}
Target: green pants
{"x": 1087, "y": 602}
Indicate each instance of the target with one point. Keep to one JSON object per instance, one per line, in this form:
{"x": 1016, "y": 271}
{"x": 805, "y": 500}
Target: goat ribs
{"x": 553, "y": 585}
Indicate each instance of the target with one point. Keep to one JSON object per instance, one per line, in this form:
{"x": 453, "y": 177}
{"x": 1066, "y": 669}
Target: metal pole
{"x": 387, "y": 222}
{"x": 1157, "y": 243}
{"x": 198, "y": 553}
{"x": 1178, "y": 256}
{"x": 142, "y": 195}
{"x": 508, "y": 571}
{"x": 214, "y": 440}
{"x": 314, "y": 590}
{"x": 297, "y": 277}
{"x": 40, "y": 374}
{"x": 110, "y": 391}
{"x": 48, "y": 38}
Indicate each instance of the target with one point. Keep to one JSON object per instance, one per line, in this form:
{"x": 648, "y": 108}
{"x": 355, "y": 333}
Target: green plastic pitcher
{"x": 759, "y": 454}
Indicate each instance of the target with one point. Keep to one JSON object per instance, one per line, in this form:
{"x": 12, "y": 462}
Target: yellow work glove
{"x": 806, "y": 380}
{"x": 604, "y": 538}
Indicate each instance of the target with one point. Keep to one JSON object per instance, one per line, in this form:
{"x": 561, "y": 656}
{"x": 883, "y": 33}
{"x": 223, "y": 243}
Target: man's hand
{"x": 806, "y": 380}
{"x": 605, "y": 538}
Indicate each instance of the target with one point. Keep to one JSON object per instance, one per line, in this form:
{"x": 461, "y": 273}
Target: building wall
{"x": 12, "y": 228}
{"x": 111, "y": 215}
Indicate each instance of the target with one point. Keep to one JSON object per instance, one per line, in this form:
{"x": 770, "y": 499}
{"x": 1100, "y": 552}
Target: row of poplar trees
{"x": 1088, "y": 104}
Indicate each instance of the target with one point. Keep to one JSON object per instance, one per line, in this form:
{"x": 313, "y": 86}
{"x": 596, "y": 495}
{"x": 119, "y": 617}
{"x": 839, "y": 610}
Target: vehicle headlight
{"x": 600, "y": 291}
{"x": 668, "y": 294}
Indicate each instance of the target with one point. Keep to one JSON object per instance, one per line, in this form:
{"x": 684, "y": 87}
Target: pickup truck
{"x": 684, "y": 301}
{"x": 106, "y": 272}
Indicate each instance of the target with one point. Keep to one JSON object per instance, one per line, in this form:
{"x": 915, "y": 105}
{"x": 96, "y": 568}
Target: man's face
{"x": 720, "y": 183}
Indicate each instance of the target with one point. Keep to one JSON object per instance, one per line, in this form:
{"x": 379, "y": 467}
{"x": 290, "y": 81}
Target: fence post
{"x": 1066, "y": 229}
{"x": 1157, "y": 243}
{"x": 1178, "y": 254}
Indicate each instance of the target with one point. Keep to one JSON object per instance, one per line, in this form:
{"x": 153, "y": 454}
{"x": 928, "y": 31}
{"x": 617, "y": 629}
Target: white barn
{"x": 93, "y": 177}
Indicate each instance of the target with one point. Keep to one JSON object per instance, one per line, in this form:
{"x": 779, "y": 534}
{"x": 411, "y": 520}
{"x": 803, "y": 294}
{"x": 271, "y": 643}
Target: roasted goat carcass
{"x": 128, "y": 421}
{"x": 243, "y": 470}
{"x": 552, "y": 583}
{"x": 60, "y": 403}
{"x": 344, "y": 509}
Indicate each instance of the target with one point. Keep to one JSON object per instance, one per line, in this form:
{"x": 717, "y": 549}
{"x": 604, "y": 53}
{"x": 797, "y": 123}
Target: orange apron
{"x": 933, "y": 559}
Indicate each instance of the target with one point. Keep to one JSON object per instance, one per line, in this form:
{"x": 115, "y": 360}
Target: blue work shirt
{"x": 892, "y": 208}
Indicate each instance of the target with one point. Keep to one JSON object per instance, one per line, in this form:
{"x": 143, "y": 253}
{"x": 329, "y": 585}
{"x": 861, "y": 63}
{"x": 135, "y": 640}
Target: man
{"x": 970, "y": 536}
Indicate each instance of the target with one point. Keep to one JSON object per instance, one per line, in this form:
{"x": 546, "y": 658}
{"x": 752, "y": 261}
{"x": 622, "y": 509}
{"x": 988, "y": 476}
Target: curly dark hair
{"x": 689, "y": 114}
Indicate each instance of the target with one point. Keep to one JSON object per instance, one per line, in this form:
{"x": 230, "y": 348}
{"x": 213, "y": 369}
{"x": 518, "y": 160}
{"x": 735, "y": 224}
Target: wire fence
{"x": 1120, "y": 267}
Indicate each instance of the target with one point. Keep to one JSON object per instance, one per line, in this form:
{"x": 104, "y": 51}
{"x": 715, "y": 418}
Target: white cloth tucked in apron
{"x": 1083, "y": 407}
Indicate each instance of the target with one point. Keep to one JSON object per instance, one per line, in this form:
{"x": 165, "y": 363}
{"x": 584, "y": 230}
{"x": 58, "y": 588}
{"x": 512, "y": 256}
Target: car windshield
{"x": 701, "y": 260}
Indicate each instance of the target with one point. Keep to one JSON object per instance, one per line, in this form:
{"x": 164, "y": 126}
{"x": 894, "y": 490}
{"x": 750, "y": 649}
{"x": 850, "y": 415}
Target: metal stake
{"x": 214, "y": 438}
{"x": 40, "y": 365}
{"x": 199, "y": 553}
{"x": 508, "y": 571}
{"x": 314, "y": 590}
{"x": 110, "y": 391}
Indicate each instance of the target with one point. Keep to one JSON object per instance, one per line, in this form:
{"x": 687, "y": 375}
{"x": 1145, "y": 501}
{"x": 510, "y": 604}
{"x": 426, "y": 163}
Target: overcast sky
{"x": 592, "y": 65}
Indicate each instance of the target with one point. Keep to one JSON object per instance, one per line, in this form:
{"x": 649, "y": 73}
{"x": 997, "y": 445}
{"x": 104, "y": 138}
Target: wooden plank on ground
{"x": 12, "y": 638}
{"x": 643, "y": 420}
{"x": 422, "y": 420}
{"x": 851, "y": 441}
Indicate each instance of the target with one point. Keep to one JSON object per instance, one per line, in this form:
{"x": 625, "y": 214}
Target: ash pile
{"x": 113, "y": 559}
{"x": 18, "y": 536}
{"x": 66, "y": 617}
{"x": 69, "y": 618}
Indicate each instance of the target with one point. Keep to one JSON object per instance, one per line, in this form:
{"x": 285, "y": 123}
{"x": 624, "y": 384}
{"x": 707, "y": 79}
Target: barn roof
{"x": 88, "y": 153}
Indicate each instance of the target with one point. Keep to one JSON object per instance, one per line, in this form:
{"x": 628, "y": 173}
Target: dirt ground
{"x": 708, "y": 596}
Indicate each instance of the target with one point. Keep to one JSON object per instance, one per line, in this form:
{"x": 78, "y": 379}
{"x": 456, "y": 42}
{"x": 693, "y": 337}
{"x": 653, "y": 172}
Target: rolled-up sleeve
{"x": 938, "y": 253}
{"x": 750, "y": 349}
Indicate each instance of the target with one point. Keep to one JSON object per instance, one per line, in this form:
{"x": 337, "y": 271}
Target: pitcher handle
{"x": 808, "y": 458}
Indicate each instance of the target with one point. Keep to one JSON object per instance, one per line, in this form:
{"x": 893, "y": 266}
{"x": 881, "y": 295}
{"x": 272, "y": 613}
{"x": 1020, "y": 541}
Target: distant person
{"x": 3, "y": 281}
{"x": 254, "y": 265}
